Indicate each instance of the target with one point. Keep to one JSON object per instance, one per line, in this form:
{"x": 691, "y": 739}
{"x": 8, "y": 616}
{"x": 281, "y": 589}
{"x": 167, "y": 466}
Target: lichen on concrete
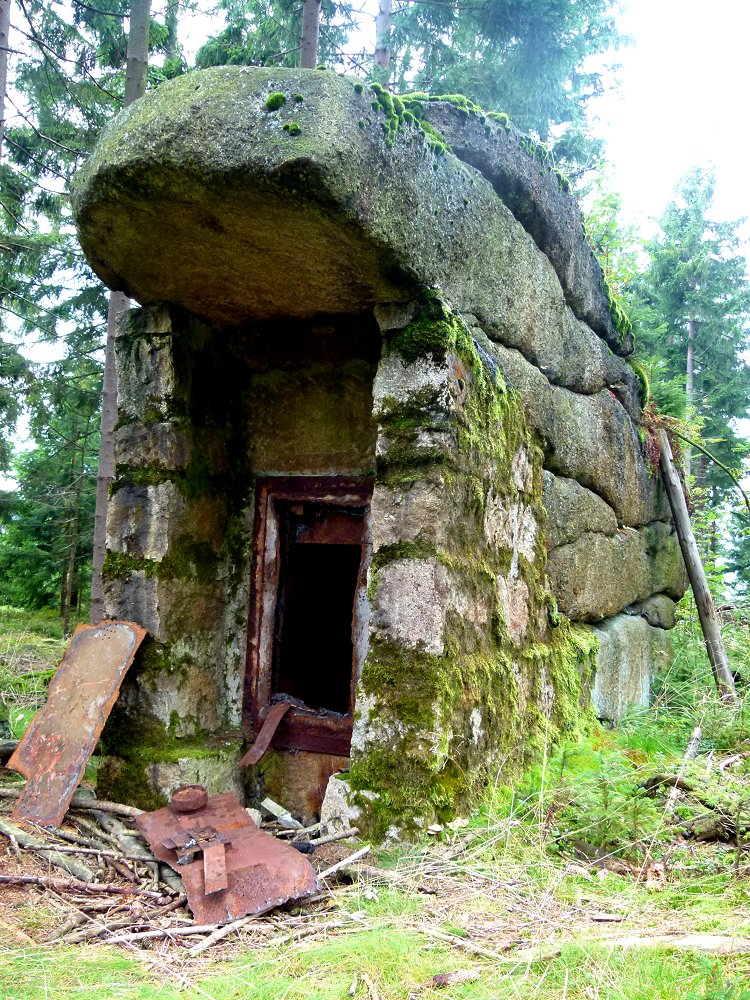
{"x": 450, "y": 688}
{"x": 339, "y": 282}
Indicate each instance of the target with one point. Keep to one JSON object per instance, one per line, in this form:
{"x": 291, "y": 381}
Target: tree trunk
{"x": 118, "y": 303}
{"x": 689, "y": 390}
{"x": 135, "y": 86}
{"x": 703, "y": 600}
{"x": 71, "y": 539}
{"x": 382, "y": 56}
{"x": 310, "y": 31}
{"x": 170, "y": 46}
{"x": 4, "y": 36}
{"x": 137, "y": 64}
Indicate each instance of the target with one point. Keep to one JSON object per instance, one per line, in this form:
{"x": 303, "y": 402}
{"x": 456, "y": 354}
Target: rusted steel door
{"x": 306, "y": 636}
{"x": 229, "y": 867}
{"x": 62, "y": 736}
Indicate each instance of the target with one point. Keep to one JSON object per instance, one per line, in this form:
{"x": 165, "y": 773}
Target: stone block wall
{"x": 177, "y": 548}
{"x": 469, "y": 668}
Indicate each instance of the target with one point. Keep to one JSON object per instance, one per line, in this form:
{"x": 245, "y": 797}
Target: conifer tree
{"x": 697, "y": 309}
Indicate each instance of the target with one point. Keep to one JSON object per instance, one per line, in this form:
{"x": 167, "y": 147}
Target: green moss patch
{"x": 275, "y": 101}
{"x": 440, "y": 726}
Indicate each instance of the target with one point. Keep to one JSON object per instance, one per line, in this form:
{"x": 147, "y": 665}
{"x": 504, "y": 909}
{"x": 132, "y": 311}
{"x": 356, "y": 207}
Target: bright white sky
{"x": 682, "y": 102}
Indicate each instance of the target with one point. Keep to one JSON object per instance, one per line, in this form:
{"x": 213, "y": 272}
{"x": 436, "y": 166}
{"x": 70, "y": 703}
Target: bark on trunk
{"x": 689, "y": 390}
{"x": 4, "y": 35}
{"x": 135, "y": 86}
{"x": 310, "y": 32}
{"x": 382, "y": 56}
{"x": 71, "y": 538}
{"x": 137, "y": 64}
{"x": 170, "y": 46}
{"x": 703, "y": 600}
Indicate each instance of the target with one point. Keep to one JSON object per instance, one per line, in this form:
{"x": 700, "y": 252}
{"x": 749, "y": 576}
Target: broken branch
{"x": 55, "y": 857}
{"x": 465, "y": 944}
{"x": 74, "y": 885}
{"x": 81, "y": 802}
{"x": 345, "y": 863}
{"x": 218, "y": 934}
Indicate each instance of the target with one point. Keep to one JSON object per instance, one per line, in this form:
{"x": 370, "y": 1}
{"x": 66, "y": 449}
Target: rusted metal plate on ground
{"x": 261, "y": 872}
{"x": 62, "y": 736}
{"x": 215, "y": 868}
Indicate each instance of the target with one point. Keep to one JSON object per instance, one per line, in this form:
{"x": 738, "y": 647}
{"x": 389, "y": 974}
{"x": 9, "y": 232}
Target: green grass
{"x": 31, "y": 646}
{"x": 519, "y": 878}
{"x": 397, "y": 963}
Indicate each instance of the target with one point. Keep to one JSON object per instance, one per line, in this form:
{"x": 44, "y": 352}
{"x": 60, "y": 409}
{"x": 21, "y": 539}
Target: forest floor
{"x": 575, "y": 884}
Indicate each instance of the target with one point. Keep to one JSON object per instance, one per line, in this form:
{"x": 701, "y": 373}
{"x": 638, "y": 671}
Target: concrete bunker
{"x": 377, "y": 452}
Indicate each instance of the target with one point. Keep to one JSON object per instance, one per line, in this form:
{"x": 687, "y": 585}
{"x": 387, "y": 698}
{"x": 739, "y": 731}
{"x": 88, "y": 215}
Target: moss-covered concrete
{"x": 253, "y": 221}
{"x": 454, "y": 685}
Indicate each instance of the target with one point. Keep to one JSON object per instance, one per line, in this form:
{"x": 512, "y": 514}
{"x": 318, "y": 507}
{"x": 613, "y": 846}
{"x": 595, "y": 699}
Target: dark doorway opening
{"x": 308, "y": 631}
{"x": 318, "y": 573}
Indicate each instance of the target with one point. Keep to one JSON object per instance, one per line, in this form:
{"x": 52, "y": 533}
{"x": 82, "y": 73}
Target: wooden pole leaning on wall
{"x": 696, "y": 574}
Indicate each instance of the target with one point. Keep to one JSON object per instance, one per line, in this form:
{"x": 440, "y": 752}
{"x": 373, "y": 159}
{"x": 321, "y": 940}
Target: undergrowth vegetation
{"x": 31, "y": 645}
{"x": 573, "y": 877}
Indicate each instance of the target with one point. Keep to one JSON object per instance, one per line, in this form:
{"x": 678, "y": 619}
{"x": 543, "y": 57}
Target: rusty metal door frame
{"x": 301, "y": 728}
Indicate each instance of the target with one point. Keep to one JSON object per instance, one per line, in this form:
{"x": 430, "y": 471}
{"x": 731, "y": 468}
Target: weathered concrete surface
{"x": 533, "y": 194}
{"x": 420, "y": 511}
{"x": 411, "y": 603}
{"x": 629, "y": 650}
{"x": 572, "y": 511}
{"x": 597, "y": 575}
{"x": 139, "y": 519}
{"x": 589, "y": 438}
{"x": 252, "y": 213}
{"x": 659, "y": 611}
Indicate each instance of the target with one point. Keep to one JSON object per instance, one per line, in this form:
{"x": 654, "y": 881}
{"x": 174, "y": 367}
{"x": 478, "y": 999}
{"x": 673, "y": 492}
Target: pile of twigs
{"x": 99, "y": 867}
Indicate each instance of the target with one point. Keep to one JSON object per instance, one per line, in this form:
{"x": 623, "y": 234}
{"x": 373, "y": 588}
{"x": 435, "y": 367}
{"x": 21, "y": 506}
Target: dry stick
{"x": 163, "y": 932}
{"x": 78, "y": 838}
{"x": 373, "y": 993}
{"x": 691, "y": 752}
{"x": 50, "y": 854}
{"x": 80, "y": 802}
{"x": 224, "y": 930}
{"x": 330, "y": 837}
{"x": 63, "y": 885}
{"x": 462, "y": 943}
{"x": 303, "y": 932}
{"x": 96, "y": 928}
{"x": 83, "y": 913}
{"x": 99, "y": 852}
{"x": 345, "y": 863}
{"x": 132, "y": 845}
{"x": 218, "y": 934}
{"x": 101, "y": 836}
{"x": 703, "y": 600}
